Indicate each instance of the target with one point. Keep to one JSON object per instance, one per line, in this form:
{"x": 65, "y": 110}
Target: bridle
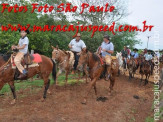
{"x": 60, "y": 63}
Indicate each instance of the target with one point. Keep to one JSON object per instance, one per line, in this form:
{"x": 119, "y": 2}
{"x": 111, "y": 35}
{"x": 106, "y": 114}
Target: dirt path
{"x": 64, "y": 104}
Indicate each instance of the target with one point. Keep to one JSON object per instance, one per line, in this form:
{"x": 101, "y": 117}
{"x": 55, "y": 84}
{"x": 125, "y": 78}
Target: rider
{"x": 106, "y": 49}
{"x": 148, "y": 56}
{"x": 76, "y": 45}
{"x": 124, "y": 56}
{"x": 135, "y": 53}
{"x": 128, "y": 52}
{"x": 23, "y": 49}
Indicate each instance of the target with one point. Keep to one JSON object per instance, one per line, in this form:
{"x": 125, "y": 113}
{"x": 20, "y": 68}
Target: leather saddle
{"x": 28, "y": 59}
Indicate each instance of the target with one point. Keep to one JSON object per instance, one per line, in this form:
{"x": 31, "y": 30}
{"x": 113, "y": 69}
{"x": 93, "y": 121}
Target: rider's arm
{"x": 22, "y": 47}
{"x": 70, "y": 44}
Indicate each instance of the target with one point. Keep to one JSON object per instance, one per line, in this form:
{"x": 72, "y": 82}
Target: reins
{"x": 5, "y": 63}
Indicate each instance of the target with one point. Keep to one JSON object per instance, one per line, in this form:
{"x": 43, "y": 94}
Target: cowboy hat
{"x": 135, "y": 49}
{"x": 78, "y": 35}
{"x": 27, "y": 31}
{"x": 107, "y": 37}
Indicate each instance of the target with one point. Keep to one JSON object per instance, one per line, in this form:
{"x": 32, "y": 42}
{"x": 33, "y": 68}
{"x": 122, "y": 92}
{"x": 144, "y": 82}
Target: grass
{"x": 72, "y": 79}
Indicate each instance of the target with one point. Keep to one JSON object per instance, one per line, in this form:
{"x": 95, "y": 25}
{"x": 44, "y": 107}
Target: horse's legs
{"x": 141, "y": 79}
{"x": 67, "y": 71}
{"x": 12, "y": 87}
{"x": 112, "y": 81}
{"x": 95, "y": 89}
{"x": 86, "y": 73}
{"x": 91, "y": 84}
{"x": 78, "y": 76}
{"x": 130, "y": 75}
{"x": 46, "y": 85}
{"x": 58, "y": 73}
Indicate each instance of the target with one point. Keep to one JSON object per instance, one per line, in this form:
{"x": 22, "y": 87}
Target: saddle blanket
{"x": 36, "y": 60}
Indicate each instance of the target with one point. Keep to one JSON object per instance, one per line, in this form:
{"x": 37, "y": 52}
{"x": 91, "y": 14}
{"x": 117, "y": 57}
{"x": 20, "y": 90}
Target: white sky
{"x": 152, "y": 12}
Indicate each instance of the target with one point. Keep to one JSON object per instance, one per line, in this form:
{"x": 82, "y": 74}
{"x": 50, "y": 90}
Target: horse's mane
{"x": 5, "y": 56}
{"x": 95, "y": 57}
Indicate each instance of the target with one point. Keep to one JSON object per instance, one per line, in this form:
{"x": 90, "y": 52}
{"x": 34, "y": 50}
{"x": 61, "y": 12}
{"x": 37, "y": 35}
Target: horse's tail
{"x": 54, "y": 72}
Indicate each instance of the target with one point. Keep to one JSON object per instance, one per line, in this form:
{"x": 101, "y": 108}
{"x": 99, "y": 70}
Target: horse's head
{"x": 83, "y": 59}
{"x": 56, "y": 53}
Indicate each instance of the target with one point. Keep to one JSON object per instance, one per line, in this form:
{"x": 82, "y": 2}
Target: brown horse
{"x": 65, "y": 60}
{"x": 3, "y": 59}
{"x": 95, "y": 70}
{"x": 132, "y": 65}
{"x": 145, "y": 69}
{"x": 7, "y": 74}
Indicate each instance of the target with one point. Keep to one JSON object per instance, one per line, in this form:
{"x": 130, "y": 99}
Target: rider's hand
{"x": 104, "y": 50}
{"x": 13, "y": 47}
{"x": 78, "y": 53}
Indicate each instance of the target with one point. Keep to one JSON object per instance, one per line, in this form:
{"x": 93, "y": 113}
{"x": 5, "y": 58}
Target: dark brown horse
{"x": 7, "y": 74}
{"x": 145, "y": 69}
{"x": 3, "y": 59}
{"x": 95, "y": 70}
{"x": 132, "y": 65}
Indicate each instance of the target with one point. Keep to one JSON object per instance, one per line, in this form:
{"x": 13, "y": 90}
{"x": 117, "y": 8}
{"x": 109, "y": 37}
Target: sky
{"x": 152, "y": 12}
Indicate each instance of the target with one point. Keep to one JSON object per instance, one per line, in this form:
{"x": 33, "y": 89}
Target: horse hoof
{"x": 49, "y": 92}
{"x": 13, "y": 102}
{"x": 42, "y": 100}
{"x": 84, "y": 102}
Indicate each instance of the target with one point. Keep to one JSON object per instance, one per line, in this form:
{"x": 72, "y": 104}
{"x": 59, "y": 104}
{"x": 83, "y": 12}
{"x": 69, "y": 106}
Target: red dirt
{"x": 65, "y": 104}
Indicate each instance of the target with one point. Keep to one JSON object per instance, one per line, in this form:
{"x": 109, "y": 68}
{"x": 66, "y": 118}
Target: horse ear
{"x": 53, "y": 47}
{"x": 57, "y": 47}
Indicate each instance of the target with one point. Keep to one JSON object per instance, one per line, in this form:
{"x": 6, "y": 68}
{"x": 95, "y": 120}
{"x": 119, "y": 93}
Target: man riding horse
{"x": 76, "y": 46}
{"x": 124, "y": 56}
{"x": 105, "y": 50}
{"x": 23, "y": 49}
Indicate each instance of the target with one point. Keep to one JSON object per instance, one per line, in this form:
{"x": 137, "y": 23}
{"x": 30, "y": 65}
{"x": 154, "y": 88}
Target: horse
{"x": 120, "y": 62}
{"x": 132, "y": 65}
{"x": 7, "y": 74}
{"x": 145, "y": 69}
{"x": 4, "y": 59}
{"x": 65, "y": 60}
{"x": 95, "y": 71}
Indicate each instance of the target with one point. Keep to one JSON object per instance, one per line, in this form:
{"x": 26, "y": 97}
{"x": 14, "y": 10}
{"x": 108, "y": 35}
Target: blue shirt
{"x": 107, "y": 46}
{"x": 135, "y": 54}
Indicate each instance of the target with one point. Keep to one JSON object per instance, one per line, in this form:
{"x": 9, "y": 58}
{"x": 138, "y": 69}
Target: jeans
{"x": 76, "y": 60}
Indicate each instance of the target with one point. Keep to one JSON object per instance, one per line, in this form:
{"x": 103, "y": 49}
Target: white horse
{"x": 120, "y": 61}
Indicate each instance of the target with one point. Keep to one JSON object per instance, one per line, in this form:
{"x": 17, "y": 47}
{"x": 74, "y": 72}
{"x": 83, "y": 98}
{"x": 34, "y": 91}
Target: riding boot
{"x": 23, "y": 75}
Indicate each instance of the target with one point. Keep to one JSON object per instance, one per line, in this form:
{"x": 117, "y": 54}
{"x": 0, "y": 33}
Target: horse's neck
{"x": 91, "y": 62}
{"x": 63, "y": 57}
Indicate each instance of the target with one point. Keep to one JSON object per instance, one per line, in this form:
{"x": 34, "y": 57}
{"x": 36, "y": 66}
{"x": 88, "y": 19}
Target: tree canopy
{"x": 41, "y": 41}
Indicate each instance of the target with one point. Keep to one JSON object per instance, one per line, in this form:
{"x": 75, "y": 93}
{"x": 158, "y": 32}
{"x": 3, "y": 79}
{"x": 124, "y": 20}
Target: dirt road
{"x": 64, "y": 104}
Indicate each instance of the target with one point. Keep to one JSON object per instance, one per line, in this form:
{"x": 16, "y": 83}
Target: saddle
{"x": 30, "y": 60}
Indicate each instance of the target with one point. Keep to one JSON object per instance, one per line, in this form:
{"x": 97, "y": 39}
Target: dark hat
{"x": 27, "y": 31}
{"x": 135, "y": 49}
{"x": 107, "y": 37}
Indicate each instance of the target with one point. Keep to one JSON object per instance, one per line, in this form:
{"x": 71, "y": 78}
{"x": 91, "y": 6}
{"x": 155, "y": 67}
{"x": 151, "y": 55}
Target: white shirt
{"x": 23, "y": 41}
{"x": 148, "y": 57}
{"x": 77, "y": 46}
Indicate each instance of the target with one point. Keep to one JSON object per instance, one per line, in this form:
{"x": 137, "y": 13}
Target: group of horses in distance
{"x": 144, "y": 67}
{"x": 89, "y": 63}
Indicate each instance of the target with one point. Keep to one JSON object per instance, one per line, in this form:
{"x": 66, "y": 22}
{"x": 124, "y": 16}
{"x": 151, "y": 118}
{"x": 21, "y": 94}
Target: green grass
{"x": 72, "y": 79}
